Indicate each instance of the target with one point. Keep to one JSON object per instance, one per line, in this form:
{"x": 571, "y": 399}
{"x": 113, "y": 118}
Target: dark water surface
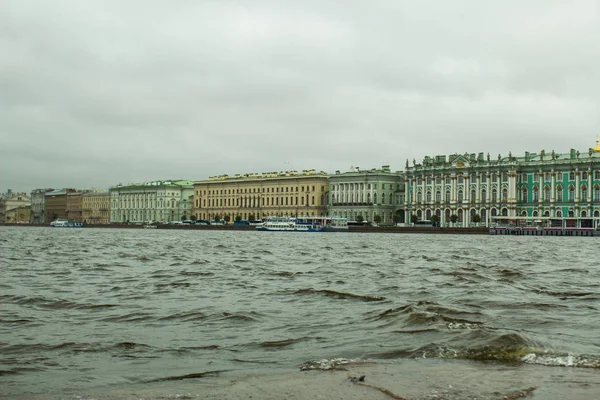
{"x": 82, "y": 308}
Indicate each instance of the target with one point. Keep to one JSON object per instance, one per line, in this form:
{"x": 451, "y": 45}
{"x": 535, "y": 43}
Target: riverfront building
{"x": 73, "y": 207}
{"x": 9, "y": 203}
{"x": 160, "y": 201}
{"x": 38, "y": 205}
{"x": 366, "y": 194}
{"x": 538, "y": 187}
{"x": 56, "y": 204}
{"x": 95, "y": 207}
{"x": 254, "y": 196}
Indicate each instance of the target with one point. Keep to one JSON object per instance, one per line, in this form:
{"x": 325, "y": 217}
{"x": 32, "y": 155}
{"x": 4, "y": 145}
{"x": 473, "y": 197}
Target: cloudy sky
{"x": 96, "y": 93}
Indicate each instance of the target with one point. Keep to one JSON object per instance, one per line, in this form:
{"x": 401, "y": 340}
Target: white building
{"x": 159, "y": 201}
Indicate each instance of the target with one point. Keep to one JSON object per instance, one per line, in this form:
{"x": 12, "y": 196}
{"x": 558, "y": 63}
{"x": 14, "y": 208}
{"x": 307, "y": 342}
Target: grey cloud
{"x": 97, "y": 93}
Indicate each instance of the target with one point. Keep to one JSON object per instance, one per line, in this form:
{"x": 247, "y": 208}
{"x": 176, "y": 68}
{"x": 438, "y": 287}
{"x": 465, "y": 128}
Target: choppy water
{"x": 84, "y": 308}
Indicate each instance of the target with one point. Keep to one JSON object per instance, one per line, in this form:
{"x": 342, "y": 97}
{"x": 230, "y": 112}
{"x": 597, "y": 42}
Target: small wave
{"x": 196, "y": 273}
{"x": 133, "y": 317}
{"x": 335, "y": 364}
{"x": 189, "y": 316}
{"x": 239, "y": 317}
{"x": 340, "y": 295}
{"x": 285, "y": 273}
{"x": 199, "y": 262}
{"x": 286, "y": 342}
{"x": 562, "y": 360}
{"x": 43, "y": 302}
{"x": 174, "y": 284}
{"x": 187, "y": 376}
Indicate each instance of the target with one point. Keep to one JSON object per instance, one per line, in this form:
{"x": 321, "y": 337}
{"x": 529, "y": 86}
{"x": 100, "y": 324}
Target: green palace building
{"x": 549, "y": 189}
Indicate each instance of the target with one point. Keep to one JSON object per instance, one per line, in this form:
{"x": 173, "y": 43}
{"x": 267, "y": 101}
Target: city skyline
{"x": 103, "y": 93}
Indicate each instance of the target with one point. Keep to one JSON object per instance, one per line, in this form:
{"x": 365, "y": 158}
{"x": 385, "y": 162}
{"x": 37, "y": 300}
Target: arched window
{"x": 546, "y": 193}
{"x": 584, "y": 193}
{"x": 536, "y": 196}
{"x": 504, "y": 212}
{"x": 583, "y": 214}
{"x": 447, "y": 199}
{"x": 524, "y": 195}
{"x": 473, "y": 196}
{"x": 419, "y": 197}
{"x": 504, "y": 195}
{"x": 428, "y": 196}
{"x": 524, "y": 213}
{"x": 596, "y": 193}
{"x": 559, "y": 193}
{"x": 494, "y": 212}
{"x": 438, "y": 196}
{"x": 559, "y": 214}
{"x": 460, "y": 196}
{"x": 494, "y": 195}
{"x": 483, "y": 195}
{"x": 571, "y": 193}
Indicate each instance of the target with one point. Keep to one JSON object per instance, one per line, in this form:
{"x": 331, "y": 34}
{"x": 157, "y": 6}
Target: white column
{"x": 577, "y": 188}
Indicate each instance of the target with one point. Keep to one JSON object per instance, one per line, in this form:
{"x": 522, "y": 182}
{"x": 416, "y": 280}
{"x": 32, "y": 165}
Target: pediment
{"x": 460, "y": 162}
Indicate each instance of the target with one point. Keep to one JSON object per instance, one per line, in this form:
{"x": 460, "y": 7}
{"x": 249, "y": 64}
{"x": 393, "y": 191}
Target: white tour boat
{"x": 65, "y": 223}
{"x": 288, "y": 224}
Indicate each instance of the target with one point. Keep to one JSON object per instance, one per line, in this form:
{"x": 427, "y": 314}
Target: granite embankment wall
{"x": 231, "y": 227}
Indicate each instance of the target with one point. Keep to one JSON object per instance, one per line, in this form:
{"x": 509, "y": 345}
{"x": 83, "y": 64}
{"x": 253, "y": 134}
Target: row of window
{"x": 254, "y": 202}
{"x": 288, "y": 189}
{"x": 494, "y": 177}
{"x": 356, "y": 198}
{"x": 362, "y": 186}
{"x": 523, "y": 195}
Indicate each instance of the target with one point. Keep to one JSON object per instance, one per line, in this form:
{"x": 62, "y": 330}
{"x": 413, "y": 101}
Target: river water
{"x": 84, "y": 308}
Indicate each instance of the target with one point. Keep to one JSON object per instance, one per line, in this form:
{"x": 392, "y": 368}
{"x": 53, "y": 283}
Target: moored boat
{"x": 65, "y": 223}
{"x": 288, "y": 224}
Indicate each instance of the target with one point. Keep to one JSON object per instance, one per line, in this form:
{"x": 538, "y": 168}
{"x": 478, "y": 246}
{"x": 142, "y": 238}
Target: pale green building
{"x": 544, "y": 188}
{"x": 366, "y": 193}
{"x": 157, "y": 201}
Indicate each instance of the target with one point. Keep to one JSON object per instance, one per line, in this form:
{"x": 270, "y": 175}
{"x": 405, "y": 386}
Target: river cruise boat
{"x": 65, "y": 223}
{"x": 288, "y": 224}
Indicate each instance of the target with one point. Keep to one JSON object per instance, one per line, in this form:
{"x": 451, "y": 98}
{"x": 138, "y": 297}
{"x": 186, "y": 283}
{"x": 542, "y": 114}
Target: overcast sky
{"x": 96, "y": 93}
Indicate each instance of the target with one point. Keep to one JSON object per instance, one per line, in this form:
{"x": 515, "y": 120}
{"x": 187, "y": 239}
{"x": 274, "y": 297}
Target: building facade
{"x": 74, "y": 206}
{"x": 95, "y": 207}
{"x": 19, "y": 215}
{"x": 56, "y": 204}
{"x": 544, "y": 185}
{"x": 158, "y": 201}
{"x": 257, "y": 196}
{"x": 38, "y": 205}
{"x": 365, "y": 194}
{"x": 12, "y": 201}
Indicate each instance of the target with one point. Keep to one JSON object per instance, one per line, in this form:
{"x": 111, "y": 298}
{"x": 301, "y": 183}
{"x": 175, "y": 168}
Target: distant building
{"x": 161, "y": 201}
{"x": 96, "y": 207}
{"x": 11, "y": 201}
{"x": 259, "y": 196}
{"x": 366, "y": 193}
{"x": 74, "y": 206}
{"x": 533, "y": 186}
{"x": 19, "y": 215}
{"x": 38, "y": 205}
{"x": 56, "y": 204}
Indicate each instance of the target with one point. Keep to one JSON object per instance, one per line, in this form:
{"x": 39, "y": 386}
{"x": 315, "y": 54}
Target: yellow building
{"x": 96, "y": 207}
{"x": 19, "y": 215}
{"x": 254, "y": 196}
